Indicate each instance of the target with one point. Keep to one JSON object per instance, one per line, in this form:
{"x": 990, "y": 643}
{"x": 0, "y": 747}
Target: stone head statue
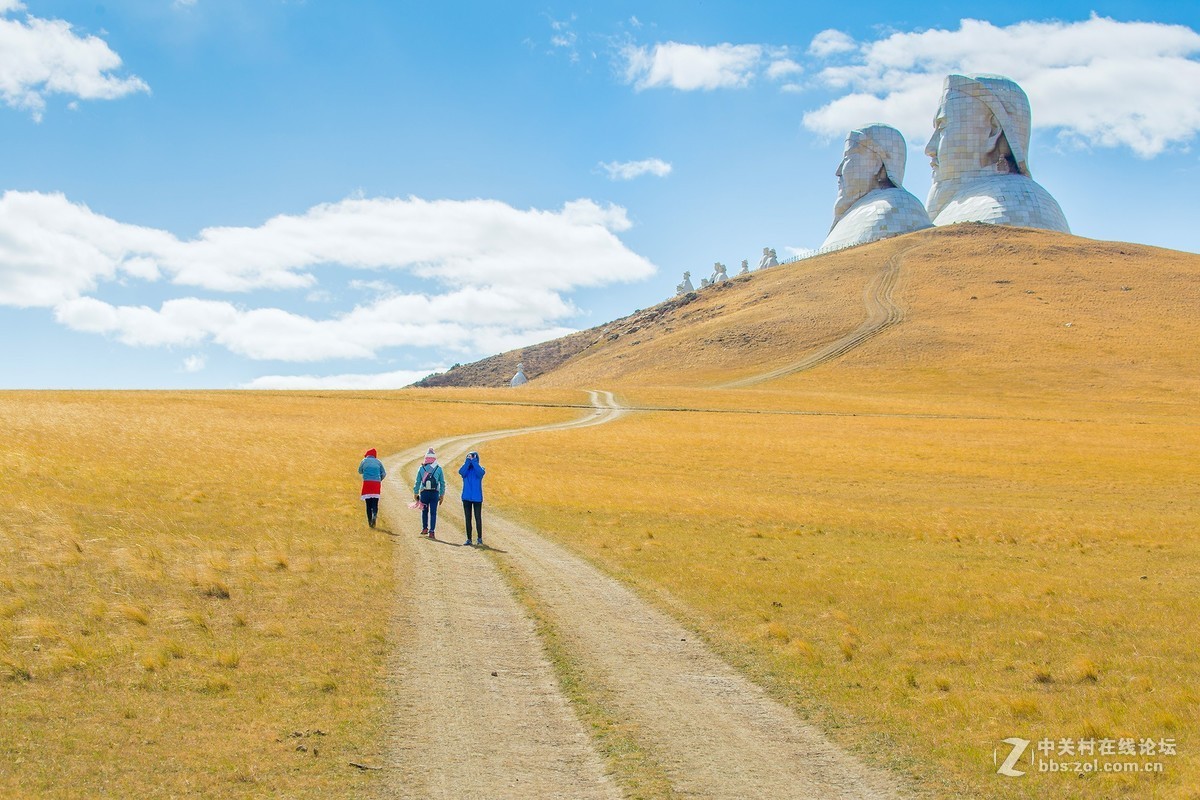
{"x": 872, "y": 202}
{"x": 745, "y": 266}
{"x": 768, "y": 259}
{"x": 873, "y": 158}
{"x": 980, "y": 148}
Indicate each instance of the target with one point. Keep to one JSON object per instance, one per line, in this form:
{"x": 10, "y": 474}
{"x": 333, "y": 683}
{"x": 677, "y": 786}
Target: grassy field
{"x": 922, "y": 587}
{"x": 982, "y": 524}
{"x": 190, "y": 600}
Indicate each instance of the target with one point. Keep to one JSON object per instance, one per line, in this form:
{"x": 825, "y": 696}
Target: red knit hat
{"x": 370, "y": 453}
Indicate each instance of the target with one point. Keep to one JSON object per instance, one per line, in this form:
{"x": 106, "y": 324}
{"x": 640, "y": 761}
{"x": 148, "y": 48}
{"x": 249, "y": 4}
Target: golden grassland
{"x": 190, "y": 600}
{"x": 984, "y": 523}
{"x": 923, "y": 588}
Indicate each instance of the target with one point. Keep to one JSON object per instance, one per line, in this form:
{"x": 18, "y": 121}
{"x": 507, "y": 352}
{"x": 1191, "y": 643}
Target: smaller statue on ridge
{"x": 685, "y": 285}
{"x": 519, "y": 378}
{"x": 768, "y": 259}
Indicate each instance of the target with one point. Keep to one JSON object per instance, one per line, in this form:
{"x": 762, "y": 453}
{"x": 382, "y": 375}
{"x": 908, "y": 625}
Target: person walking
{"x": 372, "y": 472}
{"x": 429, "y": 490}
{"x": 472, "y": 473}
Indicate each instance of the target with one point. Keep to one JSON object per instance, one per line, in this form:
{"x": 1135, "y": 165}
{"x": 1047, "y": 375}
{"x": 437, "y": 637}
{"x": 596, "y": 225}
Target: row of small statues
{"x": 721, "y": 274}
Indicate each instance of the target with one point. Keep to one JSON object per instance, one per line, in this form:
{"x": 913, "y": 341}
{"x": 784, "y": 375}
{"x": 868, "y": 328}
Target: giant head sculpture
{"x": 979, "y": 152}
{"x": 872, "y": 203}
{"x": 873, "y": 158}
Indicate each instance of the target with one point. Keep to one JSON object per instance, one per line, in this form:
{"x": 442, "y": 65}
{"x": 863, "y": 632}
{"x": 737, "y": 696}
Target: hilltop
{"x": 1029, "y": 310}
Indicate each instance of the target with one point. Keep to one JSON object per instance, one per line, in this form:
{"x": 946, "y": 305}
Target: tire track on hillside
{"x": 713, "y": 732}
{"x": 882, "y": 313}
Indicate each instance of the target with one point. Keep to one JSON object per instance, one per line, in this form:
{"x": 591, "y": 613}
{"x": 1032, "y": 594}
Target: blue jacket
{"x": 372, "y": 469}
{"x": 472, "y": 473}
{"x": 438, "y": 476}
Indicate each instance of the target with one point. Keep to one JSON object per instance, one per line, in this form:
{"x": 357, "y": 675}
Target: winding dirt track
{"x": 478, "y": 711}
{"x": 882, "y": 313}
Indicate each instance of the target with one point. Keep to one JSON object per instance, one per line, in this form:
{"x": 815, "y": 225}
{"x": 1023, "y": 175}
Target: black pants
{"x": 477, "y": 507}
{"x": 372, "y": 510}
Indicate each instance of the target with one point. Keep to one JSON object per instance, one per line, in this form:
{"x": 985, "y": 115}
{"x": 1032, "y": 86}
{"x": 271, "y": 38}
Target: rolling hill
{"x": 1028, "y": 311}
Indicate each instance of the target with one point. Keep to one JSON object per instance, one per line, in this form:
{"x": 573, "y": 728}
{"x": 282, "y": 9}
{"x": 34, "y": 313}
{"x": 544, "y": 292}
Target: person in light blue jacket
{"x": 429, "y": 490}
{"x": 372, "y": 472}
{"x": 472, "y": 473}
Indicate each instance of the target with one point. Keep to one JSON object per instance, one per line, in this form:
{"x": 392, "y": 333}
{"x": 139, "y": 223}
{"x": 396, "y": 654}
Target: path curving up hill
{"x": 882, "y": 313}
{"x": 461, "y": 731}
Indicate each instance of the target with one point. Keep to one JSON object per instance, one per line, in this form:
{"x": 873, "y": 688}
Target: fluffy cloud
{"x": 494, "y": 276}
{"x": 1100, "y": 81}
{"x": 39, "y": 57}
{"x": 783, "y": 68}
{"x": 473, "y": 319}
{"x": 689, "y": 66}
{"x": 628, "y": 170}
{"x": 361, "y": 382}
{"x": 828, "y": 42}
{"x": 53, "y": 250}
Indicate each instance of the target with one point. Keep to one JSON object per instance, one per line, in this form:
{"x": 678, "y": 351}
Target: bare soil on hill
{"x": 478, "y": 711}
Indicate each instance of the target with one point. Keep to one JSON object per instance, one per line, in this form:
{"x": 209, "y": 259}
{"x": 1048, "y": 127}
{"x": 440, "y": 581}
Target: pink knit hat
{"x": 430, "y": 457}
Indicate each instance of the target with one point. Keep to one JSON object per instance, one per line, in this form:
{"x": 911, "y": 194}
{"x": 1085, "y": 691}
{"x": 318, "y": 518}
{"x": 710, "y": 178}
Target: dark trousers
{"x": 429, "y": 509}
{"x": 477, "y": 507}
{"x": 372, "y": 510}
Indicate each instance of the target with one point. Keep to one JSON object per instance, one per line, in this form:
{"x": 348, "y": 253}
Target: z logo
{"x": 1018, "y": 748}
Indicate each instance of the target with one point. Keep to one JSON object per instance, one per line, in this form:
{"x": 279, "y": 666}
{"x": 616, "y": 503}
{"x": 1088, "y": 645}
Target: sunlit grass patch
{"x": 944, "y": 582}
{"x": 159, "y": 558}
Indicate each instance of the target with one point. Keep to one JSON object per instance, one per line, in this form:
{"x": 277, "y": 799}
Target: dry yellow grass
{"x": 190, "y": 600}
{"x": 985, "y": 523}
{"x": 982, "y": 524}
{"x": 925, "y": 588}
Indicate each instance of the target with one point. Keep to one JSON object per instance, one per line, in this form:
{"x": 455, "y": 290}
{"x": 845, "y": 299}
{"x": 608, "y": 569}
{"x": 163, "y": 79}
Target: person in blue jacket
{"x": 372, "y": 472}
{"x": 429, "y": 490}
{"x": 472, "y": 473}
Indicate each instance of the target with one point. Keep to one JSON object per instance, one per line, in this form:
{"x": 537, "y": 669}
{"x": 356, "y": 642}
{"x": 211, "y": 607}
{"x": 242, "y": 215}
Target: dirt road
{"x": 461, "y": 731}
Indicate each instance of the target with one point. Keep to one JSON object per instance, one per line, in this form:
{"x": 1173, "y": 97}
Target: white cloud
{"x": 495, "y": 275}
{"x": 689, "y": 67}
{"x": 53, "y": 250}
{"x": 194, "y": 363}
{"x": 1100, "y": 81}
{"x": 829, "y": 42}
{"x": 383, "y": 380}
{"x": 473, "y": 319}
{"x": 39, "y": 57}
{"x": 628, "y": 170}
{"x": 783, "y": 68}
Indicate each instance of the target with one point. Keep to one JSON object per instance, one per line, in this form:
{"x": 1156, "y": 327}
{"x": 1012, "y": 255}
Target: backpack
{"x": 429, "y": 482}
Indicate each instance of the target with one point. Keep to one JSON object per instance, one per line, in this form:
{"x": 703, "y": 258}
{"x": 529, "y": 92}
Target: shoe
{"x": 479, "y": 542}
{"x": 424, "y": 531}
{"x": 371, "y": 522}
{"x": 431, "y": 536}
{"x": 467, "y": 543}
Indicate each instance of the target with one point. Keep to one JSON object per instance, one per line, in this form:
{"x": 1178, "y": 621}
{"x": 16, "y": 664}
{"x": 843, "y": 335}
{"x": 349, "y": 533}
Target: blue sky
{"x": 273, "y": 194}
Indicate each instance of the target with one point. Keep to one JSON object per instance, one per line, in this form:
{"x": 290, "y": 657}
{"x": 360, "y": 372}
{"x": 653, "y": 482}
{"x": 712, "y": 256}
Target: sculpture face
{"x": 964, "y": 136}
{"x": 979, "y": 152}
{"x": 857, "y": 174}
